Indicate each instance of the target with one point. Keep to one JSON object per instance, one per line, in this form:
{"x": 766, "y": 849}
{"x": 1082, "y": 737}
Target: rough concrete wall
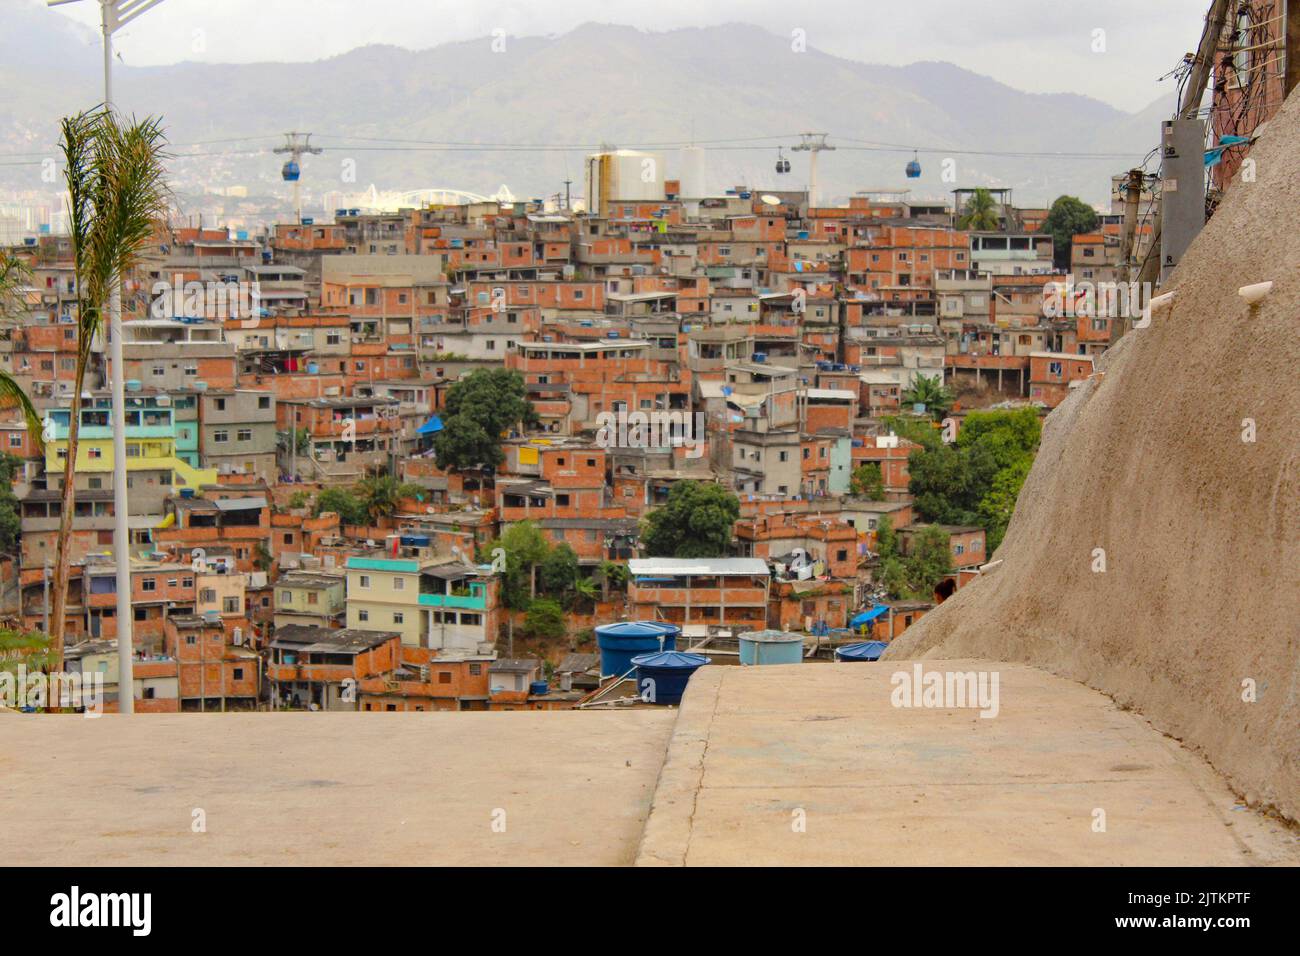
{"x": 1201, "y": 530}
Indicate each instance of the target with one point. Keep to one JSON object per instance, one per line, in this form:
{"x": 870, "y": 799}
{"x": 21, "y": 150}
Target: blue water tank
{"x": 537, "y": 688}
{"x": 313, "y": 368}
{"x": 661, "y": 677}
{"x": 863, "y": 651}
{"x": 771, "y": 647}
{"x": 622, "y": 641}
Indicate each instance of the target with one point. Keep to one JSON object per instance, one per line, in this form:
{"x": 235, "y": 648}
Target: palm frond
{"x": 13, "y": 396}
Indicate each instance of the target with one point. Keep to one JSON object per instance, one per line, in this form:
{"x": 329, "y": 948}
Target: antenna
{"x": 296, "y": 145}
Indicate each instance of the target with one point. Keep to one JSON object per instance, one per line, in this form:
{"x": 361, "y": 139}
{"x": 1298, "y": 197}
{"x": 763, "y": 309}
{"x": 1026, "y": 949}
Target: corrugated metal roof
{"x": 652, "y": 566}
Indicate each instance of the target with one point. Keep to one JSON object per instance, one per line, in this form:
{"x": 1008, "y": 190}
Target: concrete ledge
{"x": 329, "y": 789}
{"x": 812, "y": 764}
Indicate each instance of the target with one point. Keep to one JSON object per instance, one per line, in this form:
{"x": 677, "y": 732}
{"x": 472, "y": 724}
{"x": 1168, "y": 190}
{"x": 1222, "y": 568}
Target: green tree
{"x": 116, "y": 194}
{"x": 28, "y": 648}
{"x": 380, "y": 495}
{"x": 1068, "y": 217}
{"x": 10, "y": 523}
{"x": 544, "y": 619}
{"x": 939, "y": 481}
{"x": 996, "y": 506}
{"x": 350, "y": 509}
{"x": 14, "y": 274}
{"x": 914, "y": 577}
{"x": 558, "y": 573}
{"x": 480, "y": 408}
{"x": 886, "y": 538}
{"x": 976, "y": 479}
{"x": 981, "y": 213}
{"x": 867, "y": 482}
{"x": 920, "y": 431}
{"x": 526, "y": 548}
{"x": 932, "y": 393}
{"x": 695, "y": 522}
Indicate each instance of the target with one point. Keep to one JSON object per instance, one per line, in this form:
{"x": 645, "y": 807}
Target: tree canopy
{"x": 695, "y": 522}
{"x": 480, "y": 408}
{"x": 932, "y": 393}
{"x": 981, "y": 212}
{"x": 1068, "y": 217}
{"x": 976, "y": 479}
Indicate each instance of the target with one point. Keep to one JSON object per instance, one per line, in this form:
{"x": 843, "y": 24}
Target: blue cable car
{"x": 914, "y": 168}
{"x": 290, "y": 172}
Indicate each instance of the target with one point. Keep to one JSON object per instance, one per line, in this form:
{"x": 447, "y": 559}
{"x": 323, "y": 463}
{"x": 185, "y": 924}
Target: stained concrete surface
{"x": 328, "y": 789}
{"x": 808, "y": 764}
{"x": 799, "y": 764}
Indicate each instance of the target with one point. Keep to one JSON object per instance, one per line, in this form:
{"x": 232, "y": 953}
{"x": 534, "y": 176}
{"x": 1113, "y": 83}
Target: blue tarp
{"x": 866, "y": 651}
{"x": 434, "y": 424}
{"x": 866, "y": 617}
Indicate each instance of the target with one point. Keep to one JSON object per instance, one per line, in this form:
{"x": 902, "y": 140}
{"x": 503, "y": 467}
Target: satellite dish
{"x": 771, "y": 200}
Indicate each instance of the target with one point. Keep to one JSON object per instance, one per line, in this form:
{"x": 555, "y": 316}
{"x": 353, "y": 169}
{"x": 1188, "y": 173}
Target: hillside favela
{"x": 717, "y": 441}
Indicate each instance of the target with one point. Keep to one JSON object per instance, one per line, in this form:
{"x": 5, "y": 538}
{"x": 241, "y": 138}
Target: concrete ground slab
{"x": 813, "y": 764}
{"x": 328, "y": 789}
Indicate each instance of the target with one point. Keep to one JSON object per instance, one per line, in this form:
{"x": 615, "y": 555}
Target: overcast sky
{"x": 1043, "y": 46}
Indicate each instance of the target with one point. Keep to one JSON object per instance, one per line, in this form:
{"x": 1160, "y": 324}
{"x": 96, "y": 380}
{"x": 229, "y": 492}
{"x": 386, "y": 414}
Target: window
{"x": 288, "y": 537}
{"x": 363, "y": 615}
{"x": 148, "y": 584}
{"x": 475, "y": 670}
{"x": 399, "y": 617}
{"x": 159, "y": 371}
{"x": 264, "y": 402}
{"x": 363, "y": 582}
{"x": 244, "y": 434}
{"x": 189, "y": 639}
{"x": 444, "y": 677}
{"x": 220, "y": 404}
{"x": 286, "y": 597}
{"x": 207, "y": 595}
{"x": 313, "y": 597}
{"x": 94, "y": 453}
{"x": 187, "y": 582}
{"x": 237, "y": 673}
{"x": 191, "y": 370}
{"x": 231, "y": 605}
{"x": 399, "y": 584}
{"x": 221, "y": 437}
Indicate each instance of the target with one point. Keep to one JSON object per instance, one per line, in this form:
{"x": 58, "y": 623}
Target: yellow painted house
{"x": 150, "y": 440}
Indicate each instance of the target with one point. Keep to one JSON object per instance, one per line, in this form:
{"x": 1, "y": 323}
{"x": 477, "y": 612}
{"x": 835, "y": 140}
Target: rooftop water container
{"x": 661, "y": 678}
{"x": 538, "y": 688}
{"x": 771, "y": 647}
{"x": 622, "y": 641}
{"x": 863, "y": 651}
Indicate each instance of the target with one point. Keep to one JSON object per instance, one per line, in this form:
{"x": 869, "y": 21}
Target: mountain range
{"x": 736, "y": 86}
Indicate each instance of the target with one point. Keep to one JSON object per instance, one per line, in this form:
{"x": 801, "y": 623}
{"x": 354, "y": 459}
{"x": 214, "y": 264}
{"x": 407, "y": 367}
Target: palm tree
{"x": 930, "y": 392}
{"x": 116, "y": 193}
{"x": 981, "y": 214}
{"x": 13, "y": 274}
{"x": 380, "y": 495}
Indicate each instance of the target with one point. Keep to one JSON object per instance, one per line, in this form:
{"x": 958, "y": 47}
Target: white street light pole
{"x": 113, "y": 15}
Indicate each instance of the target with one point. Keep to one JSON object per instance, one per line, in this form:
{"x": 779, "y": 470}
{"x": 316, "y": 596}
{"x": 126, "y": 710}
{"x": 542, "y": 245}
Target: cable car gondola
{"x": 290, "y": 172}
{"x": 782, "y": 164}
{"x": 914, "y": 168}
